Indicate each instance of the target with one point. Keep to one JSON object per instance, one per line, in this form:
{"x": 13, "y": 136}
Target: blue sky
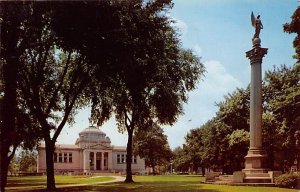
{"x": 220, "y": 32}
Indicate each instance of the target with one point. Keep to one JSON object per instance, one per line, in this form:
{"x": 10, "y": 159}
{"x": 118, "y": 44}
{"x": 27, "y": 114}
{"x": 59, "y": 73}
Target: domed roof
{"x": 92, "y": 135}
{"x": 92, "y": 130}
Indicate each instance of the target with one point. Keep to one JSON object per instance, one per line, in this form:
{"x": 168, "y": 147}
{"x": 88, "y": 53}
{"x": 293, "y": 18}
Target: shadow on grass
{"x": 19, "y": 182}
{"x": 140, "y": 187}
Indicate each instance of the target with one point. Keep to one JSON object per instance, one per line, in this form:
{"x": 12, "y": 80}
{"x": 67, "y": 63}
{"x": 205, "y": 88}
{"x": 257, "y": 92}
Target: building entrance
{"x": 98, "y": 160}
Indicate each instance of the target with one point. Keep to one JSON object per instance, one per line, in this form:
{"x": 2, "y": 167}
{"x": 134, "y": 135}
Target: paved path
{"x": 117, "y": 179}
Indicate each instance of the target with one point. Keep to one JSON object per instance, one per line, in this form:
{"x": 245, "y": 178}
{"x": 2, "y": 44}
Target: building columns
{"x": 110, "y": 161}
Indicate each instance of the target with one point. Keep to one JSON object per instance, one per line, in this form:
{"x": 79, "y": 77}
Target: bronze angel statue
{"x": 256, "y": 23}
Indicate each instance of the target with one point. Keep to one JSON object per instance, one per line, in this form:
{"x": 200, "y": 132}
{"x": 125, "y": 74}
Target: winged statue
{"x": 256, "y": 23}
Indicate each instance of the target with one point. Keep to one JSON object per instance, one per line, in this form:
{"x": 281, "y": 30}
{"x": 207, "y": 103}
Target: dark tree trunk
{"x": 153, "y": 168}
{"x": 8, "y": 114}
{"x": 4, "y": 167}
{"x": 203, "y": 171}
{"x": 129, "y": 157}
{"x": 50, "y": 146}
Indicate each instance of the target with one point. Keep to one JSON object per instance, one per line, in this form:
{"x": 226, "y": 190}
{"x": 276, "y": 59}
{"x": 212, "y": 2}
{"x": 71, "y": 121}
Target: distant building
{"x": 92, "y": 152}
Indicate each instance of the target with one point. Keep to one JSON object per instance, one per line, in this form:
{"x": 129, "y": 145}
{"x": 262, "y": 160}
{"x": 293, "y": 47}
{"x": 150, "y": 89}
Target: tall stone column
{"x": 254, "y": 161}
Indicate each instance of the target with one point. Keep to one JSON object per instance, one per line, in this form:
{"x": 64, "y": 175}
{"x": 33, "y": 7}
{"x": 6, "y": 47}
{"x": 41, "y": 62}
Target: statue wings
{"x": 252, "y": 19}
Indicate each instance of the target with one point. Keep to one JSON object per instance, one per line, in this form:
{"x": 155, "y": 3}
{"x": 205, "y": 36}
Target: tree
{"x": 180, "y": 161}
{"x": 293, "y": 27}
{"x": 27, "y": 161}
{"x": 135, "y": 43}
{"x": 53, "y": 89}
{"x": 283, "y": 106}
{"x": 232, "y": 125}
{"x": 152, "y": 145}
{"x": 193, "y": 147}
{"x": 222, "y": 142}
{"x": 13, "y": 168}
{"x": 152, "y": 74}
{"x": 16, "y": 36}
{"x": 135, "y": 59}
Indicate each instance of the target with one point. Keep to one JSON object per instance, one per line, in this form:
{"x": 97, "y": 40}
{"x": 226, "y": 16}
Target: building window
{"x": 70, "y": 157}
{"x": 60, "y": 157}
{"x": 55, "y": 157}
{"x": 123, "y": 158}
{"x": 118, "y": 158}
{"x": 134, "y": 159}
{"x": 65, "y": 157}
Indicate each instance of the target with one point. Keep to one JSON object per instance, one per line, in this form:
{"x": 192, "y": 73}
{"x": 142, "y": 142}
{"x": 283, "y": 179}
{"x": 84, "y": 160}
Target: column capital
{"x": 256, "y": 53}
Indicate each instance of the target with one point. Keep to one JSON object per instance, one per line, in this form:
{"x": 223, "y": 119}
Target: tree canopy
{"x": 152, "y": 145}
{"x": 122, "y": 57}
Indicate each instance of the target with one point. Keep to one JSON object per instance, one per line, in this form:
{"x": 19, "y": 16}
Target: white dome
{"x": 93, "y": 135}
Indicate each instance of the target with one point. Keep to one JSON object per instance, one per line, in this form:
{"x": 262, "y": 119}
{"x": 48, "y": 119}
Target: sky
{"x": 219, "y": 32}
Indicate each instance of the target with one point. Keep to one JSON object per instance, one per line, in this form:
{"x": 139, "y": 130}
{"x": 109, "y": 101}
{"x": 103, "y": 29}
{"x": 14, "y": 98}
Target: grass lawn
{"x": 162, "y": 184}
{"x": 39, "y": 182}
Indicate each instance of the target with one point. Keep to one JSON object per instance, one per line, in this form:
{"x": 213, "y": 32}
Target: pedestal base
{"x": 255, "y": 162}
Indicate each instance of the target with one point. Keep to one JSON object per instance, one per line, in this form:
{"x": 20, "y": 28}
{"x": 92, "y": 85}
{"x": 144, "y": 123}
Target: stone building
{"x": 92, "y": 152}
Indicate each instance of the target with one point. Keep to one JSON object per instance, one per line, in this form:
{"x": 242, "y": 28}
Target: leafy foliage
{"x": 152, "y": 145}
{"x": 27, "y": 161}
{"x": 288, "y": 180}
{"x": 294, "y": 27}
{"x": 151, "y": 73}
{"x": 283, "y": 105}
{"x": 222, "y": 143}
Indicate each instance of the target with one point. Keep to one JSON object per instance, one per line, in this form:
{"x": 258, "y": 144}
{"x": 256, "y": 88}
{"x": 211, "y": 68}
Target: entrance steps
{"x": 258, "y": 178}
{"x": 253, "y": 179}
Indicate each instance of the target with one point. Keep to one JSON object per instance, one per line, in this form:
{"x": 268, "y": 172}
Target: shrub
{"x": 288, "y": 180}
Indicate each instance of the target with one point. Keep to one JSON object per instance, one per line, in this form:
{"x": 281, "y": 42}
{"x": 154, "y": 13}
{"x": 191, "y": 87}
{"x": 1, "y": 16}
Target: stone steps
{"x": 257, "y": 180}
{"x": 225, "y": 178}
{"x": 258, "y": 175}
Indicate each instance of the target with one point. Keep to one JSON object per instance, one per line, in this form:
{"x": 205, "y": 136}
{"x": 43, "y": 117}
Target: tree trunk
{"x": 129, "y": 157}
{"x": 8, "y": 115}
{"x": 50, "y": 163}
{"x": 153, "y": 168}
{"x": 4, "y": 167}
{"x": 203, "y": 171}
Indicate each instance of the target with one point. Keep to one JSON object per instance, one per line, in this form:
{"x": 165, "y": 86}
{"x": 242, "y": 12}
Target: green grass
{"x": 38, "y": 182}
{"x": 163, "y": 184}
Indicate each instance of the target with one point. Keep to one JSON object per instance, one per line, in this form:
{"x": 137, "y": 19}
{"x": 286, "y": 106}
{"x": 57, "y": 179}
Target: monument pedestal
{"x": 255, "y": 162}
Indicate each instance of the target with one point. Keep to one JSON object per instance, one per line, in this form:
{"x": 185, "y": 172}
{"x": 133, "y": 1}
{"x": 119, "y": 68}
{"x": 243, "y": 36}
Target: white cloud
{"x": 198, "y": 50}
{"x": 217, "y": 80}
{"x": 181, "y": 26}
{"x": 201, "y": 105}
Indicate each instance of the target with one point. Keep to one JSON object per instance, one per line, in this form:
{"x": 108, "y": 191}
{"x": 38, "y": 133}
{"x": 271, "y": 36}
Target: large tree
{"x": 129, "y": 49}
{"x": 152, "y": 73}
{"x": 53, "y": 89}
{"x": 283, "y": 109}
{"x": 152, "y": 145}
{"x": 222, "y": 142}
{"x": 195, "y": 148}
{"x": 19, "y": 29}
{"x": 140, "y": 72}
{"x": 293, "y": 27}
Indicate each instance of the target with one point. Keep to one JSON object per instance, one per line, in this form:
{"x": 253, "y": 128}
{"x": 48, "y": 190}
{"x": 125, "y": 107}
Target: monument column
{"x": 254, "y": 161}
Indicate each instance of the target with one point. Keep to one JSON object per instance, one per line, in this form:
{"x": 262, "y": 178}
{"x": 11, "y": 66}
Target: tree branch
{"x": 68, "y": 108}
{"x": 54, "y": 95}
